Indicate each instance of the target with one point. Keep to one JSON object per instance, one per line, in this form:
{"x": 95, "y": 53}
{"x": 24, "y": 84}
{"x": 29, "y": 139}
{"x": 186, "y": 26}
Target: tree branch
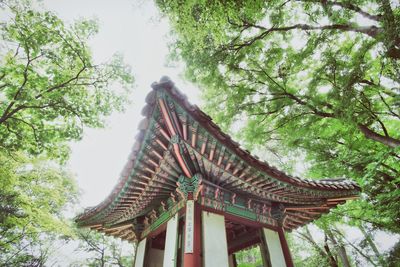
{"x": 19, "y": 90}
{"x": 30, "y": 125}
{"x": 346, "y": 5}
{"x": 370, "y": 134}
{"x": 388, "y": 107}
{"x": 63, "y": 84}
{"x": 371, "y": 31}
{"x": 307, "y": 236}
{"x": 373, "y": 114}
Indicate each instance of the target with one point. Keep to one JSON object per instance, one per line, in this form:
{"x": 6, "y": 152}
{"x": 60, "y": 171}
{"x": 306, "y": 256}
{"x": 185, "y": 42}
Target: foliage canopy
{"x": 313, "y": 78}
{"x": 33, "y": 194}
{"x": 50, "y": 88}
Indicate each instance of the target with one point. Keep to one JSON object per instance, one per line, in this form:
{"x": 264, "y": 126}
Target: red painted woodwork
{"x": 234, "y": 260}
{"x": 285, "y": 248}
{"x": 244, "y": 245}
{"x": 172, "y": 130}
{"x": 159, "y": 162}
{"x": 194, "y": 259}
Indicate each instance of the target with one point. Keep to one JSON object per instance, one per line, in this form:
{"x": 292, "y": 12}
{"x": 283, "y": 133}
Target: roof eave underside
{"x": 166, "y": 88}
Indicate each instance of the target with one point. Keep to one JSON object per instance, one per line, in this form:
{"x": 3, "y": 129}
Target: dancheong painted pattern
{"x": 180, "y": 151}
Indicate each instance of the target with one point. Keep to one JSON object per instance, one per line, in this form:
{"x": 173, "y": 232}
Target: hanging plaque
{"x": 189, "y": 226}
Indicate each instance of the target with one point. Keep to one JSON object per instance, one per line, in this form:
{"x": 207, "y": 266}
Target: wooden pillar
{"x": 215, "y": 247}
{"x": 171, "y": 243}
{"x": 192, "y": 246}
{"x": 140, "y": 253}
{"x": 232, "y": 260}
{"x": 285, "y": 248}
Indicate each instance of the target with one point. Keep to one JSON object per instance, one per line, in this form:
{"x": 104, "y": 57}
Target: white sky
{"x": 133, "y": 28}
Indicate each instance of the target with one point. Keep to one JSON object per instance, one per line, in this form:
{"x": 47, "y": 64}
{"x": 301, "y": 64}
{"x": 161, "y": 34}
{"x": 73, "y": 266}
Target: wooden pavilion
{"x": 191, "y": 196}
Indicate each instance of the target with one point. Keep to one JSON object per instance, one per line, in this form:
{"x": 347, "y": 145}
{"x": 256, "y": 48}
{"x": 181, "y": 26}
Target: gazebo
{"x": 191, "y": 196}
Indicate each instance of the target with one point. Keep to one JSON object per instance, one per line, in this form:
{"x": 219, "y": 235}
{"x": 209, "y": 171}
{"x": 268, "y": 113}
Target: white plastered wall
{"x": 141, "y": 250}
{"x": 171, "y": 242}
{"x": 274, "y": 248}
{"x": 214, "y": 240}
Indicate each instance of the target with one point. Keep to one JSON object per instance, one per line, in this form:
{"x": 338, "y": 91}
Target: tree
{"x": 50, "y": 88}
{"x": 103, "y": 250}
{"x": 249, "y": 257}
{"x": 313, "y": 78}
{"x": 394, "y": 256}
{"x": 35, "y": 194}
{"x": 318, "y": 254}
{"x": 340, "y": 236}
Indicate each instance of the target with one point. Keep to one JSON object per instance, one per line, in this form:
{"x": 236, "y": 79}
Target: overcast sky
{"x": 135, "y": 29}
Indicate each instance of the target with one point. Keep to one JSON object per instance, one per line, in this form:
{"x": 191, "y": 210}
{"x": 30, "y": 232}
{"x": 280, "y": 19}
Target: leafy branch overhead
{"x": 319, "y": 78}
{"x": 50, "y": 87}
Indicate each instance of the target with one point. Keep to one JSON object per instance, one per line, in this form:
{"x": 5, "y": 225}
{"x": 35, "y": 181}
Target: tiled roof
{"x": 113, "y": 206}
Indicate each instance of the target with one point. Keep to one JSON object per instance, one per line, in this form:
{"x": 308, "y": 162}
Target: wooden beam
{"x": 194, "y": 259}
{"x": 342, "y": 198}
{"x": 285, "y": 248}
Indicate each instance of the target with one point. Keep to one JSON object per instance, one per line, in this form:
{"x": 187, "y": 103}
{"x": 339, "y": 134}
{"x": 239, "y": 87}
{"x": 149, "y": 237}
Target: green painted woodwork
{"x": 162, "y": 218}
{"x": 189, "y": 185}
{"x": 221, "y": 200}
{"x": 203, "y": 166}
{"x": 155, "y": 117}
{"x": 241, "y": 212}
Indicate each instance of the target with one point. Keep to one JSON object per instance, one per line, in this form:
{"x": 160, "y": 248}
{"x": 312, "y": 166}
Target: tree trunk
{"x": 371, "y": 243}
{"x": 310, "y": 239}
{"x": 332, "y": 261}
{"x": 357, "y": 248}
{"x": 341, "y": 249}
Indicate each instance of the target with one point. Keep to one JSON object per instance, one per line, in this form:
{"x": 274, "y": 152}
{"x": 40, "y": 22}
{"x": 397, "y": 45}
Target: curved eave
{"x": 129, "y": 166}
{"x": 90, "y": 215}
